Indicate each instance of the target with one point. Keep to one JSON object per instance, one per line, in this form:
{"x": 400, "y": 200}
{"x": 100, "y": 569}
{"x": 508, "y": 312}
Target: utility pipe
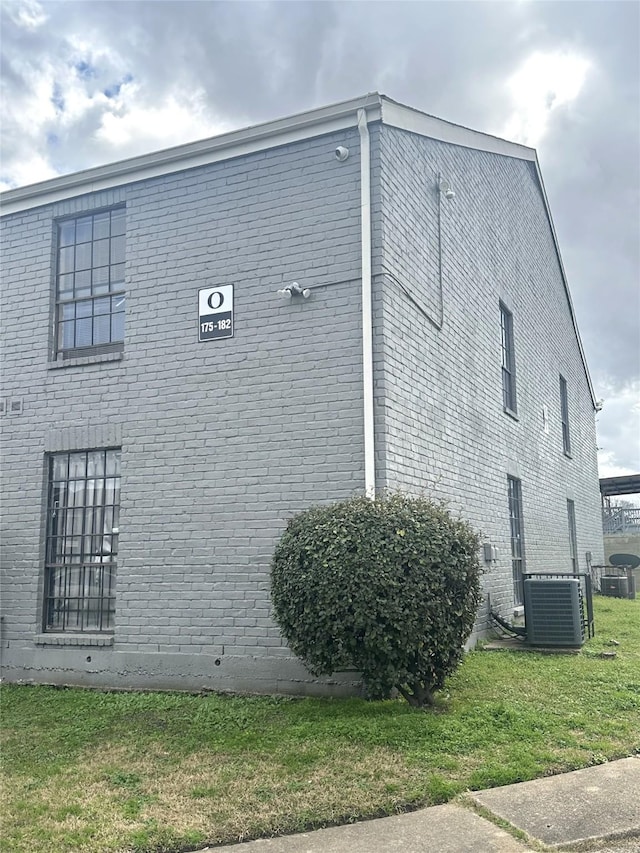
{"x": 367, "y": 314}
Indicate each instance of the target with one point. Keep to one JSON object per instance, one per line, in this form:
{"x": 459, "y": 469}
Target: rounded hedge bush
{"x": 389, "y": 587}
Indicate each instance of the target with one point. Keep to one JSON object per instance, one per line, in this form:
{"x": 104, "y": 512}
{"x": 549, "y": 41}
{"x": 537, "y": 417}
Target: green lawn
{"x": 91, "y": 771}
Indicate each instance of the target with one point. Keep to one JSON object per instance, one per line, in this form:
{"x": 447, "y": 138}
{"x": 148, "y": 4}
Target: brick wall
{"x": 441, "y": 418}
{"x": 221, "y": 441}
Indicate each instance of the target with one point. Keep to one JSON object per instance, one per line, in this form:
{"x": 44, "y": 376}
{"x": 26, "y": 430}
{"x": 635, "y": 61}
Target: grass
{"x": 142, "y": 772}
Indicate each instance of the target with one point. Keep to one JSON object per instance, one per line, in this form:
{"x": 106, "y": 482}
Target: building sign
{"x": 215, "y": 312}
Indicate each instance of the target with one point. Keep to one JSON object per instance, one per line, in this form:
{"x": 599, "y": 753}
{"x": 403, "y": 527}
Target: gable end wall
{"x": 439, "y": 395}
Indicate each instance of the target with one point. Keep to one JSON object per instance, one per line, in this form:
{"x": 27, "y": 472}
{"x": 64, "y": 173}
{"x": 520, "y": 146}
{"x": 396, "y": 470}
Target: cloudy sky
{"x": 86, "y": 82}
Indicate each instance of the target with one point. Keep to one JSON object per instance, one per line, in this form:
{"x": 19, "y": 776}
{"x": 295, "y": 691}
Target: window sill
{"x": 81, "y": 360}
{"x": 511, "y": 413}
{"x": 73, "y": 639}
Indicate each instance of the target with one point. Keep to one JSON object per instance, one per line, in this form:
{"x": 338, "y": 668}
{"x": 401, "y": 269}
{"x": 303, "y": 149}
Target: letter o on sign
{"x": 215, "y": 300}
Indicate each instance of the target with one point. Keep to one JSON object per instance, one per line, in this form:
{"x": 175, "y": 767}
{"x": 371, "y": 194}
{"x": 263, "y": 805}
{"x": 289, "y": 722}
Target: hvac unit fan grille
{"x": 554, "y": 612}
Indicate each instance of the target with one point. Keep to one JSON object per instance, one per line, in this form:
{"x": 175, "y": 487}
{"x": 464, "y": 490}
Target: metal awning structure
{"x": 628, "y": 485}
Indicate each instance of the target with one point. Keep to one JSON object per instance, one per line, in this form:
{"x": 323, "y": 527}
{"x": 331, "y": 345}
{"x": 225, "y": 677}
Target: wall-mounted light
{"x": 445, "y": 189}
{"x": 294, "y": 289}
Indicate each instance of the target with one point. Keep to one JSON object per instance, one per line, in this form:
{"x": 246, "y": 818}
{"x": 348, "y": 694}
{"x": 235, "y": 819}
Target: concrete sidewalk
{"x": 596, "y": 809}
{"x": 596, "y": 803}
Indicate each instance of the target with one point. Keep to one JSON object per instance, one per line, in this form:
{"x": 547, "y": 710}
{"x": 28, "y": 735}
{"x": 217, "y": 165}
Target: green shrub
{"x": 389, "y": 587}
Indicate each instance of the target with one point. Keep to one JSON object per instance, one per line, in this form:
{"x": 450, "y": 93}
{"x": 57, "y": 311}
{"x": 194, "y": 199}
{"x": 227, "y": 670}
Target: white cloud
{"x": 544, "y": 82}
{"x": 28, "y": 14}
{"x": 130, "y": 127}
{"x": 80, "y": 105}
{"x": 30, "y": 170}
{"x": 619, "y": 430}
{"x": 608, "y": 467}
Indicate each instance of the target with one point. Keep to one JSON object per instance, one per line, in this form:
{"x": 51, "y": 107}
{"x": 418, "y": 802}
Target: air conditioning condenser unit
{"x": 554, "y": 611}
{"x": 616, "y": 586}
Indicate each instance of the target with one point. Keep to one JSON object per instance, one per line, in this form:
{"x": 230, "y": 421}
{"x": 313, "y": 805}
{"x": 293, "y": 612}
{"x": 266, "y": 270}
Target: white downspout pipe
{"x": 367, "y": 313}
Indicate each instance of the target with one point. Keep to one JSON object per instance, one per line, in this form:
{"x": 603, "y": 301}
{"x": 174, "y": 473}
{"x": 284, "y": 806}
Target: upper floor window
{"x": 90, "y": 293}
{"x": 564, "y": 416}
{"x": 83, "y": 509}
{"x": 508, "y": 361}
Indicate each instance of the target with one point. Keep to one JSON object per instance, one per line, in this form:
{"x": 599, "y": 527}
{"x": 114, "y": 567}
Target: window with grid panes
{"x": 90, "y": 289}
{"x": 83, "y": 508}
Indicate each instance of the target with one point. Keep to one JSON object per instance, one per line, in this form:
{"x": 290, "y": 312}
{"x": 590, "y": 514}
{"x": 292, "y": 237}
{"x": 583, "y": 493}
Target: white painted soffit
{"x": 414, "y": 121}
{"x": 259, "y": 137}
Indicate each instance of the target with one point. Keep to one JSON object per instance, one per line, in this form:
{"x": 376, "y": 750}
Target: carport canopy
{"x": 628, "y": 485}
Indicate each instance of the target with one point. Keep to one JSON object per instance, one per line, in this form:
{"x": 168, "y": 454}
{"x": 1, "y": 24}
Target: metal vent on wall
{"x": 554, "y": 611}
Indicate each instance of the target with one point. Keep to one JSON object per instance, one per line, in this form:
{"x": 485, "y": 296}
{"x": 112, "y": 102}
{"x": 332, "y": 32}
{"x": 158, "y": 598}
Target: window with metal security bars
{"x": 517, "y": 538}
{"x": 573, "y": 539}
{"x": 508, "y": 361}
{"x": 83, "y": 510}
{"x": 564, "y": 416}
{"x": 90, "y": 289}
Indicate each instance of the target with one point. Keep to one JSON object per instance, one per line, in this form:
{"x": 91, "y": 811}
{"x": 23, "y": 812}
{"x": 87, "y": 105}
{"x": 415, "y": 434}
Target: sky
{"x": 86, "y": 82}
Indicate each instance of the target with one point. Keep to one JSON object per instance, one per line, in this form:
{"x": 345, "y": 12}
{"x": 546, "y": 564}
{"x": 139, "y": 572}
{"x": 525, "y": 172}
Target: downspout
{"x": 367, "y": 314}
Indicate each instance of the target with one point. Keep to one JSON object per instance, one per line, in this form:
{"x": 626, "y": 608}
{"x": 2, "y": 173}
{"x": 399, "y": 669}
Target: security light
{"x": 294, "y": 289}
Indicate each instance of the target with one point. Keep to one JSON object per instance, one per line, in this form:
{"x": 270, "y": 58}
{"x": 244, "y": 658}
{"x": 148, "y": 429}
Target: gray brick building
{"x": 166, "y": 410}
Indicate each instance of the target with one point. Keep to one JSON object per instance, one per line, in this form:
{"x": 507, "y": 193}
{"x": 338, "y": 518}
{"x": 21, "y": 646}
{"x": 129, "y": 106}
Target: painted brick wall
{"x": 440, "y": 414}
{"x": 221, "y": 441}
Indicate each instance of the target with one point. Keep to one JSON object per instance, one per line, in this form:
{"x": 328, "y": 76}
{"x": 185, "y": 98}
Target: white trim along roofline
{"x": 261, "y": 137}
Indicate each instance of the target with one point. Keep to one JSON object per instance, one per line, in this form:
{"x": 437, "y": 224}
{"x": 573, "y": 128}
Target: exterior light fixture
{"x": 445, "y": 189}
{"x": 294, "y": 289}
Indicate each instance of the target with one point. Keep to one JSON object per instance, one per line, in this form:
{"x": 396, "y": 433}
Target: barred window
{"x": 517, "y": 538}
{"x": 82, "y": 540}
{"x": 508, "y": 361}
{"x": 90, "y": 293}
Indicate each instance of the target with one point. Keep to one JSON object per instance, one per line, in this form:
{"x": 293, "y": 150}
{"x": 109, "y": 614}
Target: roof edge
{"x": 271, "y": 134}
{"x": 408, "y": 118}
{"x": 260, "y": 137}
{"x": 565, "y": 281}
{"x": 178, "y": 158}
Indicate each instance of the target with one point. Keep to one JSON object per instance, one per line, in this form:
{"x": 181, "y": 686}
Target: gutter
{"x": 237, "y": 143}
{"x": 367, "y": 313}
